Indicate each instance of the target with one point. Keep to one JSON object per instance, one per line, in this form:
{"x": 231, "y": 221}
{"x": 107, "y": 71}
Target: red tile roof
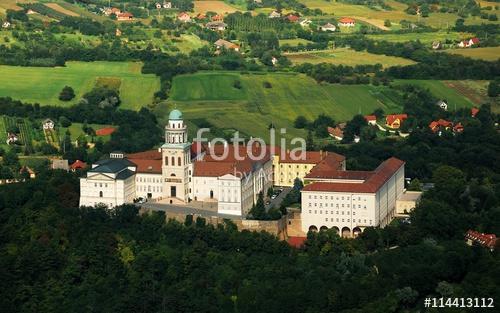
{"x": 335, "y": 132}
{"x": 105, "y": 131}
{"x": 474, "y": 112}
{"x": 147, "y": 162}
{"x": 78, "y": 165}
{"x": 370, "y": 118}
{"x": 486, "y": 240}
{"x": 311, "y": 157}
{"x": 391, "y": 118}
{"x": 435, "y": 125}
{"x": 458, "y": 127}
{"x": 475, "y": 40}
{"x": 374, "y": 180}
{"x": 296, "y": 242}
{"x": 217, "y": 17}
{"x": 216, "y": 169}
{"x": 346, "y": 20}
{"x": 292, "y": 18}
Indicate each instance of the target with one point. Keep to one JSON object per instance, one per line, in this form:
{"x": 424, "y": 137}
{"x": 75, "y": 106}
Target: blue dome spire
{"x": 175, "y": 115}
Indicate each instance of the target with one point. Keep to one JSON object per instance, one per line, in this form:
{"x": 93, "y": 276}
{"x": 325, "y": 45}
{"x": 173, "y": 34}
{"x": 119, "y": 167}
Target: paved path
{"x": 277, "y": 201}
{"x": 185, "y": 209}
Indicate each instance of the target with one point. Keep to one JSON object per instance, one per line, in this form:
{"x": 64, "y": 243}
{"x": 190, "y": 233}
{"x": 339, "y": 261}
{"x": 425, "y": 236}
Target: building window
{"x": 179, "y": 162}
{"x": 166, "y": 160}
{"x": 173, "y": 161}
{"x": 100, "y": 194}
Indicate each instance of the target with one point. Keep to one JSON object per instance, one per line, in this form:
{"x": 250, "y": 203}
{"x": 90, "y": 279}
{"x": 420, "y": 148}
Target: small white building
{"x": 48, "y": 124}
{"x": 6, "y": 24}
{"x": 304, "y": 22}
{"x": 328, "y": 27}
{"x": 274, "y": 14}
{"x": 442, "y": 104}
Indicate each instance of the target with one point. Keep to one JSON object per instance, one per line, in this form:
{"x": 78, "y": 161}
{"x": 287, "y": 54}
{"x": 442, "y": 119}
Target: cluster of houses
{"x": 165, "y": 5}
{"x": 120, "y": 15}
{"x": 467, "y": 43}
{"x": 489, "y": 241}
{"x": 304, "y": 22}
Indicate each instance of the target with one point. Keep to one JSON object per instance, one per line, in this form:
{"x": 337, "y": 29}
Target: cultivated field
{"x": 42, "y": 85}
{"x": 346, "y": 57}
{"x": 487, "y": 53}
{"x": 213, "y": 6}
{"x": 441, "y": 90}
{"x": 252, "y": 108}
{"x": 294, "y": 42}
{"x": 423, "y": 37}
{"x": 376, "y": 17}
{"x": 58, "y": 8}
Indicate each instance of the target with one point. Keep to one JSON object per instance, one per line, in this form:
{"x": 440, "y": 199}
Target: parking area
{"x": 277, "y": 197}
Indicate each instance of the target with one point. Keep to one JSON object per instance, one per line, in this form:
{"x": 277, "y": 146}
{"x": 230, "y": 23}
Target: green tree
{"x": 494, "y": 88}
{"x": 66, "y": 94}
{"x": 300, "y": 122}
{"x": 310, "y": 141}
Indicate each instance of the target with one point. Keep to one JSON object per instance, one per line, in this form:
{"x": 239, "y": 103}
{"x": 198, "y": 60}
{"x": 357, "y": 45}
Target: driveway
{"x": 277, "y": 202}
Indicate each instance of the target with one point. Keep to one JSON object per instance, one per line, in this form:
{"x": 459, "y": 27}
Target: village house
{"x": 158, "y": 5}
{"x": 6, "y": 24}
{"x": 436, "y": 45}
{"x": 217, "y": 18}
{"x": 184, "y": 17}
{"x": 11, "y": 138}
{"x": 474, "y": 111}
{"x": 216, "y": 26}
{"x": 458, "y": 128}
{"x": 109, "y": 11}
{"x": 26, "y": 169}
{"x": 78, "y": 165}
{"x": 328, "y": 27}
{"x": 442, "y": 104}
{"x": 224, "y": 44}
{"x": 347, "y": 22}
{"x": 485, "y": 240}
{"x": 125, "y": 16}
{"x": 304, "y": 22}
{"x": 60, "y": 165}
{"x": 468, "y": 42}
{"x": 48, "y": 124}
{"x": 336, "y": 132}
{"x": 118, "y": 33}
{"x": 200, "y": 16}
{"x": 395, "y": 121}
{"x": 274, "y": 14}
{"x": 167, "y": 5}
{"x": 371, "y": 119}
{"x": 292, "y": 18}
{"x": 440, "y": 125}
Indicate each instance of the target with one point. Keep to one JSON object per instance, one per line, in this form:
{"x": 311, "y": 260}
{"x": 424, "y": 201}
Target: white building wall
{"x": 148, "y": 183}
{"x": 202, "y": 185}
{"x": 230, "y": 195}
{"x": 114, "y": 192}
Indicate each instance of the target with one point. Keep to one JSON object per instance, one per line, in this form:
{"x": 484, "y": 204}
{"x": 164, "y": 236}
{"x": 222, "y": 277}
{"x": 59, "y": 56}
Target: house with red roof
{"x": 489, "y": 241}
{"x": 458, "y": 128}
{"x": 347, "y": 22}
{"x": 292, "y": 18}
{"x": 474, "y": 111}
{"x": 440, "y": 125}
{"x": 371, "y": 119}
{"x": 468, "y": 42}
{"x": 106, "y": 131}
{"x": 77, "y": 165}
{"x": 336, "y": 132}
{"x": 395, "y": 121}
{"x": 217, "y": 18}
{"x": 124, "y": 16}
{"x": 349, "y": 201}
{"x": 184, "y": 17}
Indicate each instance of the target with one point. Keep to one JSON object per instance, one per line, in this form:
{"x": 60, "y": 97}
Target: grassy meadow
{"x": 253, "y": 107}
{"x": 42, "y": 85}
{"x": 213, "y": 6}
{"x": 441, "y": 90}
{"x": 346, "y": 57}
{"x": 423, "y": 37}
{"x": 486, "y": 53}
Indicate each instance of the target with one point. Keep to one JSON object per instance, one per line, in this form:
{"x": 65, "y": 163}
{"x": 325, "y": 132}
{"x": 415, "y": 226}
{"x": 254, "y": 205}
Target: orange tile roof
{"x": 311, "y": 157}
{"x": 391, "y": 118}
{"x": 346, "y": 20}
{"x": 296, "y": 242}
{"x": 486, "y": 240}
{"x": 370, "y": 118}
{"x": 105, "y": 131}
{"x": 147, "y": 161}
{"x": 78, "y": 165}
{"x": 474, "y": 112}
{"x": 374, "y": 180}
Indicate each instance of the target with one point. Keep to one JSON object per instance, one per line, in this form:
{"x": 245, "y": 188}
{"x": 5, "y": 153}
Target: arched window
{"x": 100, "y": 194}
{"x": 173, "y": 161}
{"x": 179, "y": 161}
{"x": 166, "y": 160}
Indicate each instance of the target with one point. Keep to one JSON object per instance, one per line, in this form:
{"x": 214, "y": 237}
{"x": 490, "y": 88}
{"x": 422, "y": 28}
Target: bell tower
{"x": 176, "y": 160}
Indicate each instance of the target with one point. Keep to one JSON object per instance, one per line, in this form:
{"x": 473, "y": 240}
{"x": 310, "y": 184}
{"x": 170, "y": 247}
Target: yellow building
{"x": 286, "y": 168}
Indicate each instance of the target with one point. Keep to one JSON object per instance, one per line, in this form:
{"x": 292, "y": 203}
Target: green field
{"x": 252, "y": 108}
{"x": 75, "y": 130}
{"x": 42, "y": 85}
{"x": 487, "y": 53}
{"x": 423, "y": 37}
{"x": 294, "y": 42}
{"x": 346, "y": 57}
{"x": 440, "y": 90}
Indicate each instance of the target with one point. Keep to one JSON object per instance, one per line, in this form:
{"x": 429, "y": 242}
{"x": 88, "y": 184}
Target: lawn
{"x": 213, "y": 6}
{"x": 423, "y": 37}
{"x": 60, "y": 9}
{"x": 253, "y": 107}
{"x": 487, "y": 53}
{"x": 42, "y": 85}
{"x": 294, "y": 42}
{"x": 441, "y": 90}
{"x": 346, "y": 57}
{"x": 75, "y": 130}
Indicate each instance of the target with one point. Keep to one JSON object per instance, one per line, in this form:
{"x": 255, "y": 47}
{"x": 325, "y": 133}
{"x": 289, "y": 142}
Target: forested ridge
{"x": 56, "y": 257}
